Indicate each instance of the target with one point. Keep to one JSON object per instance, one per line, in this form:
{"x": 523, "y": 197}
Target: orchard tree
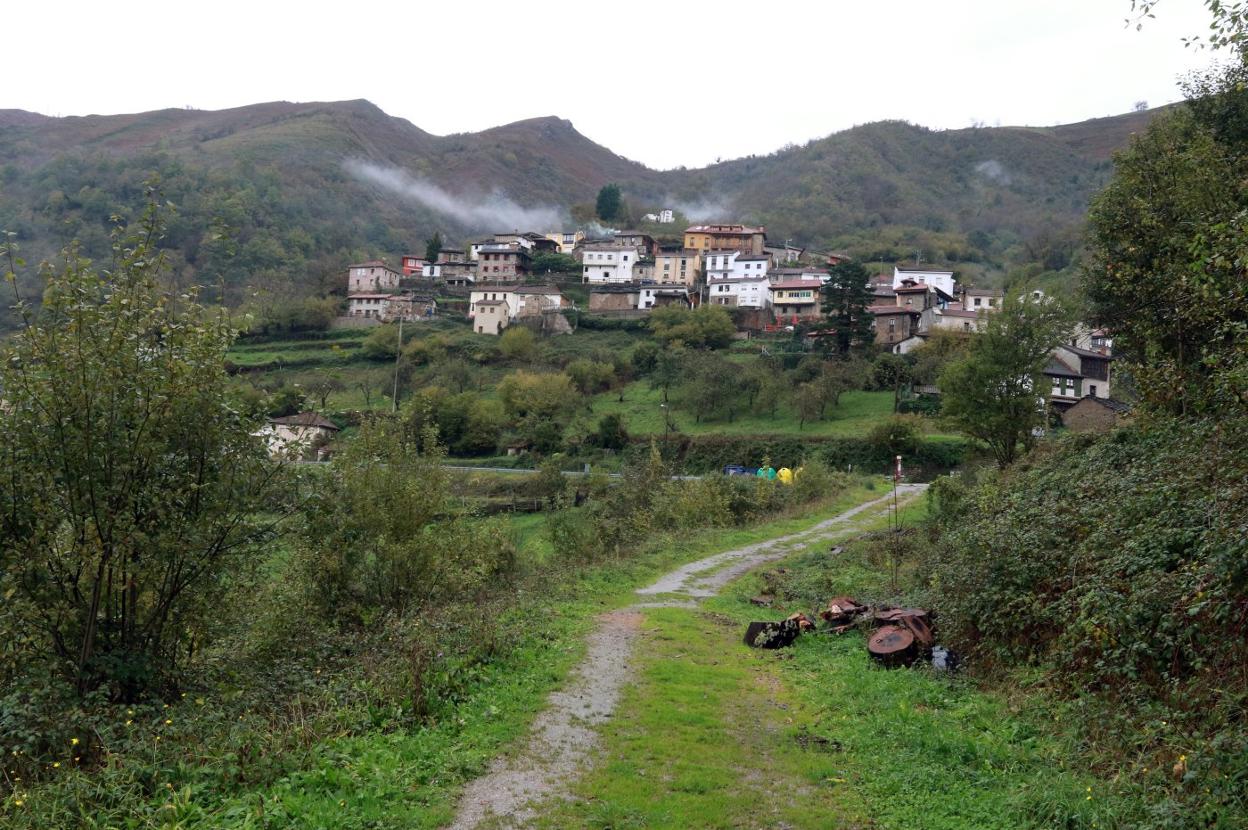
{"x": 132, "y": 485}
{"x": 996, "y": 392}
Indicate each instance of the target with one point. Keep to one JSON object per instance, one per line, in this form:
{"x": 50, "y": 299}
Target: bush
{"x": 899, "y": 435}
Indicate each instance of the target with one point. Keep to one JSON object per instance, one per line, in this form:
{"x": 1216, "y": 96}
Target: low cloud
{"x": 994, "y": 170}
{"x": 495, "y": 212}
{"x": 702, "y": 210}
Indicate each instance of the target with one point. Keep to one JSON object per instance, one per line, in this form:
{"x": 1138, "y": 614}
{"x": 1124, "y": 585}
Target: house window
{"x": 978, "y": 302}
{"x": 1092, "y": 390}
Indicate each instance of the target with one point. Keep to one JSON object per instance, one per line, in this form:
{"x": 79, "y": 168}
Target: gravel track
{"x": 563, "y": 736}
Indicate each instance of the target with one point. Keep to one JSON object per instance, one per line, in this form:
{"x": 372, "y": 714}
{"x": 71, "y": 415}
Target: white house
{"x": 296, "y": 436}
{"x": 723, "y": 265}
{"x": 652, "y": 296}
{"x": 608, "y": 263}
{"x": 373, "y": 275}
{"x": 935, "y": 277}
{"x": 666, "y": 217}
{"x": 739, "y": 292}
{"x": 520, "y": 301}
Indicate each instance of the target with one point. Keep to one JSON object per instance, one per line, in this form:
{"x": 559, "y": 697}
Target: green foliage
{"x": 609, "y": 205}
{"x": 433, "y": 247}
{"x": 705, "y": 327}
{"x": 589, "y": 376}
{"x": 845, "y": 299}
{"x": 1120, "y": 568}
{"x": 131, "y": 481}
{"x": 552, "y": 263}
{"x": 995, "y": 392}
{"x": 1168, "y": 245}
{"x": 899, "y": 435}
{"x": 383, "y": 534}
{"x": 518, "y": 344}
{"x": 295, "y": 316}
{"x": 611, "y": 433}
{"x": 382, "y": 343}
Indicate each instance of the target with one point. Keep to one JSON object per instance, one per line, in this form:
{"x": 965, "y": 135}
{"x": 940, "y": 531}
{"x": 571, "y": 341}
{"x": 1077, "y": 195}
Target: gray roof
{"x": 305, "y": 419}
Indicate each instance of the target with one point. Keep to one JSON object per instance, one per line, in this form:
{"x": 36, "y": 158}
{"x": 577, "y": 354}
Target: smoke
{"x": 494, "y": 212}
{"x": 703, "y": 209}
{"x": 995, "y": 171}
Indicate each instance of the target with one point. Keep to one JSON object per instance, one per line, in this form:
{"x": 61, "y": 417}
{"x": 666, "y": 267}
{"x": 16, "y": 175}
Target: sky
{"x": 664, "y": 83}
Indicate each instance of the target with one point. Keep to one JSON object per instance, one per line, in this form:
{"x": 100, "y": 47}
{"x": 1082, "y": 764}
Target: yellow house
{"x": 726, "y": 238}
{"x": 677, "y": 265}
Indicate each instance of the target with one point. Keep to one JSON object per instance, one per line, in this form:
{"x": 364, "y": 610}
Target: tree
{"x": 590, "y": 376}
{"x": 324, "y": 385}
{"x": 131, "y": 486}
{"x": 706, "y": 327}
{"x": 609, "y": 204}
{"x": 846, "y": 297}
{"x": 518, "y": 343}
{"x": 709, "y": 385}
{"x": 996, "y": 392}
{"x": 1167, "y": 246}
{"x": 433, "y": 247}
{"x": 611, "y": 433}
{"x": 809, "y": 402}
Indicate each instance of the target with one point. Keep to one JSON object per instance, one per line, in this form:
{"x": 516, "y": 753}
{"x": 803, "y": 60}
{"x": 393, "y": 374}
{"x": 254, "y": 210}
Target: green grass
{"x": 710, "y": 735}
{"x": 856, "y": 414}
{"x": 391, "y": 777}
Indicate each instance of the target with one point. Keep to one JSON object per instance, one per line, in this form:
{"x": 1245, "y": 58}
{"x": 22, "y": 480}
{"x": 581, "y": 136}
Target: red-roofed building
{"x": 795, "y": 300}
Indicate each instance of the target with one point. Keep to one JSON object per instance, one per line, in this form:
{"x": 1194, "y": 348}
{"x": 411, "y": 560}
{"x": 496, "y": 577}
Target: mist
{"x": 994, "y": 170}
{"x": 495, "y": 212}
{"x": 702, "y": 210}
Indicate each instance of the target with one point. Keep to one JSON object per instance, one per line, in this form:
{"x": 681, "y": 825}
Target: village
{"x": 770, "y": 288}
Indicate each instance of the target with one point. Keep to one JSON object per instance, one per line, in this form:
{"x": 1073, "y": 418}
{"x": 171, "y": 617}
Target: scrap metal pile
{"x": 899, "y": 636}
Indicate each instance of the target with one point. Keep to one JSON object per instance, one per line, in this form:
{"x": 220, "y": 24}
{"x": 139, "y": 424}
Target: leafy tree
{"x": 554, "y": 263}
{"x": 709, "y": 386}
{"x": 706, "y": 327}
{"x": 996, "y": 392}
{"x": 668, "y": 371}
{"x": 809, "y": 402}
{"x": 1168, "y": 235}
{"x": 611, "y": 433}
{"x": 385, "y": 533}
{"x": 590, "y": 376}
{"x": 529, "y": 393}
{"x": 845, "y": 300}
{"x": 433, "y": 247}
{"x": 322, "y": 386}
{"x": 609, "y": 204}
{"x": 382, "y": 343}
{"x": 131, "y": 484}
{"x": 518, "y": 343}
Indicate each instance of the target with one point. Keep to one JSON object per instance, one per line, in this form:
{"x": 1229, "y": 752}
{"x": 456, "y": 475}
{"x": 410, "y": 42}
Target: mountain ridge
{"x": 276, "y": 174}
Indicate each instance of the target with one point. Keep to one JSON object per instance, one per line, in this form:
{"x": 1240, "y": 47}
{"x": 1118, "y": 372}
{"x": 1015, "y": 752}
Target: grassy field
{"x": 391, "y": 777}
{"x": 714, "y": 734}
{"x": 856, "y": 414}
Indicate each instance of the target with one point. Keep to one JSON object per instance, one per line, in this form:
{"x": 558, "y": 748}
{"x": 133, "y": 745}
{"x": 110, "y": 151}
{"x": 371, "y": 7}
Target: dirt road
{"x": 564, "y": 735}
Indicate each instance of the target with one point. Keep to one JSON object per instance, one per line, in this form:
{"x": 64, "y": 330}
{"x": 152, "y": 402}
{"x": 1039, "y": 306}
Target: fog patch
{"x": 702, "y": 210}
{"x": 493, "y": 212}
{"x": 995, "y": 171}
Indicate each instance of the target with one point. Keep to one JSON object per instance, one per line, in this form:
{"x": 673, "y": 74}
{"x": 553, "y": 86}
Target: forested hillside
{"x": 279, "y": 197}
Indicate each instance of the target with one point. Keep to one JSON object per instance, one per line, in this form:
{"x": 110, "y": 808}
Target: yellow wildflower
{"x": 167, "y": 721}
{"x": 56, "y": 764}
{"x": 73, "y": 742}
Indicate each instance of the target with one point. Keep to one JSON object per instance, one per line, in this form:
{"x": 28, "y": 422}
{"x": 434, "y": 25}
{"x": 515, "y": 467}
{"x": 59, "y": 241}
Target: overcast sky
{"x": 665, "y": 83}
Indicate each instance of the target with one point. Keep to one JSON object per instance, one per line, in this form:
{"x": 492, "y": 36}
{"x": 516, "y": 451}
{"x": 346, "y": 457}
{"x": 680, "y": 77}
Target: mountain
{"x": 280, "y": 196}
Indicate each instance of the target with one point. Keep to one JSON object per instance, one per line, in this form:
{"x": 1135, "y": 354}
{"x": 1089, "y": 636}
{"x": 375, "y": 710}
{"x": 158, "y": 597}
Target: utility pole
{"x": 398, "y": 352}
